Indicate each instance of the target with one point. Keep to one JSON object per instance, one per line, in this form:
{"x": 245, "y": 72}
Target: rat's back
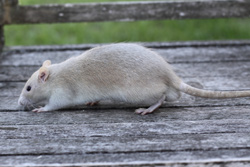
{"x": 124, "y": 57}
{"x": 127, "y": 62}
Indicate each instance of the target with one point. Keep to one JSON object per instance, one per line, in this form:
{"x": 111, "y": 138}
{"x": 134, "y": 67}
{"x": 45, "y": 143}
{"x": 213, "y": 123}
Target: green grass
{"x": 140, "y": 31}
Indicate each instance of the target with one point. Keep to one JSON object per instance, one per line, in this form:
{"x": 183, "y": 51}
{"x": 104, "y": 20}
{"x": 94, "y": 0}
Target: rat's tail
{"x": 212, "y": 94}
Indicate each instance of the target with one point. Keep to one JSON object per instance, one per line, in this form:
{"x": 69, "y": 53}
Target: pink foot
{"x": 41, "y": 109}
{"x": 144, "y": 111}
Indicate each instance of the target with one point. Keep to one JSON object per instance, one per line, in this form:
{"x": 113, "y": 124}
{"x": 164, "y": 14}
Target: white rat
{"x": 124, "y": 72}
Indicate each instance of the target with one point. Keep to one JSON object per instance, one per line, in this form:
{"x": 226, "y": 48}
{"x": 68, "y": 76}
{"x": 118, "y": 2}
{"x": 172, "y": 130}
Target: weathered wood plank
{"x": 227, "y": 158}
{"x": 173, "y": 55}
{"x": 45, "y": 141}
{"x": 156, "y": 45}
{"x": 36, "y": 58}
{"x": 11, "y": 88}
{"x": 128, "y": 11}
{"x": 205, "y": 54}
{"x": 67, "y": 131}
{"x": 227, "y": 69}
{"x": 113, "y": 116}
{"x": 123, "y": 144}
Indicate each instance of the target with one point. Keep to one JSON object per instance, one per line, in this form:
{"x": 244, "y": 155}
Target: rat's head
{"x": 35, "y": 90}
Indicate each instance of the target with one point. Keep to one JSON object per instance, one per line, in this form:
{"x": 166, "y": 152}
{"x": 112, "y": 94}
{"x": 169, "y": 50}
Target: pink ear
{"x": 46, "y": 63}
{"x": 43, "y": 74}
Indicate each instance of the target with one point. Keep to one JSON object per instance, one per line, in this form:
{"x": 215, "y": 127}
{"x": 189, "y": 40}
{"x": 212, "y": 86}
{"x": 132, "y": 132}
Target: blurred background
{"x": 110, "y": 32}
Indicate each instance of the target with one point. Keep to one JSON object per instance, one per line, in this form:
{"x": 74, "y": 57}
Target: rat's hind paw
{"x": 41, "y": 109}
{"x": 142, "y": 111}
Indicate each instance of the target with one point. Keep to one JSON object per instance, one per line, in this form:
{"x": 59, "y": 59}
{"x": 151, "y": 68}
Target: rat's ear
{"x": 43, "y": 74}
{"x": 46, "y": 63}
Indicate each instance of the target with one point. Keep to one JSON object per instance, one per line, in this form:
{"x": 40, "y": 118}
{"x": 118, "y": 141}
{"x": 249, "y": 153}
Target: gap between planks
{"x": 208, "y": 159}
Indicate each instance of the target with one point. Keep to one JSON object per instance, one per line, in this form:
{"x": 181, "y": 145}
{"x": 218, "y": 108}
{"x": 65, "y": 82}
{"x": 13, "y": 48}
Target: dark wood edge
{"x": 1, "y": 39}
{"x": 158, "y": 45}
{"x": 126, "y": 11}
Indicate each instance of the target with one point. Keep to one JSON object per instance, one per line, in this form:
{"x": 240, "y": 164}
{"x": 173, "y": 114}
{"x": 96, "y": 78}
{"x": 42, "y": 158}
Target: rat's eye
{"x": 28, "y": 88}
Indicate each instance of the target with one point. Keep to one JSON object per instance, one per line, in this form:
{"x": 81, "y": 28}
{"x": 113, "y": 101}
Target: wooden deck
{"x": 190, "y": 132}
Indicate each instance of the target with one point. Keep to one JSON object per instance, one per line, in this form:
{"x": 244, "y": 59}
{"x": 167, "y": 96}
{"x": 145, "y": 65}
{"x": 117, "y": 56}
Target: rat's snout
{"x": 22, "y": 101}
{"x": 23, "y": 104}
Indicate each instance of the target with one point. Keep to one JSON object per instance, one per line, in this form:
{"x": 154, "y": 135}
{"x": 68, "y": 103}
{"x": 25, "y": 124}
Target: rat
{"x": 120, "y": 72}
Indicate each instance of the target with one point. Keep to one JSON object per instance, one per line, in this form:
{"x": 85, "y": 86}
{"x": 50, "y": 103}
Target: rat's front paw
{"x": 41, "y": 109}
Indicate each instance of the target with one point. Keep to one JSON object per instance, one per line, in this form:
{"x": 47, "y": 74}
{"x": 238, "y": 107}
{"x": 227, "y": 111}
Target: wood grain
{"x": 113, "y": 116}
{"x": 118, "y": 144}
{"x": 188, "y": 54}
{"x": 189, "y": 158}
{"x": 128, "y": 11}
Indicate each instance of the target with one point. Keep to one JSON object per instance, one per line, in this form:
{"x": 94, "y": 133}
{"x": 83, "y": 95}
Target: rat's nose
{"x": 20, "y": 101}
